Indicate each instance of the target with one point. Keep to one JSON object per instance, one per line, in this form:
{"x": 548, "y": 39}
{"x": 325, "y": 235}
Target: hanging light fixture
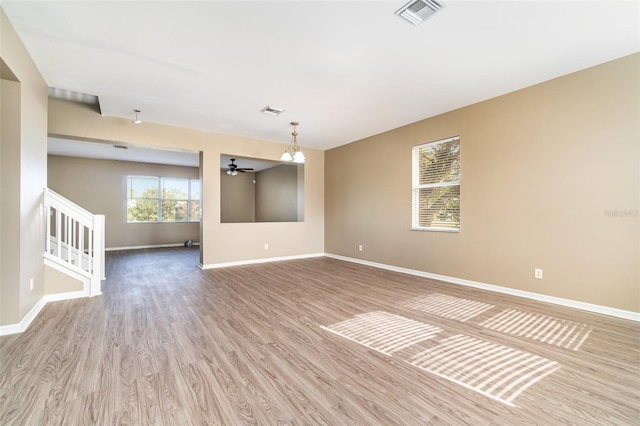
{"x": 137, "y": 119}
{"x": 293, "y": 152}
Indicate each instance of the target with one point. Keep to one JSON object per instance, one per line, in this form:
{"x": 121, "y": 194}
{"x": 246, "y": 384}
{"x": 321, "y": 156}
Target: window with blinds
{"x": 436, "y": 186}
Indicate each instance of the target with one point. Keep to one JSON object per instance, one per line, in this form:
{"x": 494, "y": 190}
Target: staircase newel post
{"x": 98, "y": 255}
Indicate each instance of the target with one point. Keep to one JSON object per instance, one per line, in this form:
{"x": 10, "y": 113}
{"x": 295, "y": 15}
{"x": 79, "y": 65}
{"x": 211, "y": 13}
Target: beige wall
{"x": 543, "y": 171}
{"x": 23, "y": 178}
{"x": 277, "y": 194}
{"x": 9, "y": 199}
{"x": 57, "y": 282}
{"x": 220, "y": 242}
{"x": 237, "y": 198}
{"x": 100, "y": 186}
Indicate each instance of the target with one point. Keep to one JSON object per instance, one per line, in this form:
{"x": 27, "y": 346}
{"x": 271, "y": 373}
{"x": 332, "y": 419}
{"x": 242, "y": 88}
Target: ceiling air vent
{"x": 272, "y": 110}
{"x": 417, "y": 11}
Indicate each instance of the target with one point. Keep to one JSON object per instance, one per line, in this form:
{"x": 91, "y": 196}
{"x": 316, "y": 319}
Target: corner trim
{"x": 599, "y": 309}
{"x": 265, "y": 260}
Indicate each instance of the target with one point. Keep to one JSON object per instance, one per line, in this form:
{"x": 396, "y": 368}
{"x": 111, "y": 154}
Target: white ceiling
{"x": 344, "y": 69}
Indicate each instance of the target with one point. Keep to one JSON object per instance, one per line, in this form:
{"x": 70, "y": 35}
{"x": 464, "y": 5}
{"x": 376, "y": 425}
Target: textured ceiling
{"x": 344, "y": 69}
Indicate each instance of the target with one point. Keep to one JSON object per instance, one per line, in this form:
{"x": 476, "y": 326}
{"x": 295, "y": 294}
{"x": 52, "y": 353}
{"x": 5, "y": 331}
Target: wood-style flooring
{"x": 313, "y": 341}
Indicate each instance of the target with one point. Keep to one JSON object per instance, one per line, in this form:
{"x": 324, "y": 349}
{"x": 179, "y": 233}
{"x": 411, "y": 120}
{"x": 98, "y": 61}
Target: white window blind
{"x": 436, "y": 185}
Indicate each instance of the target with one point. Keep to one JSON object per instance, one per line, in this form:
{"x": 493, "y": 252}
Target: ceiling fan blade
{"x": 243, "y": 168}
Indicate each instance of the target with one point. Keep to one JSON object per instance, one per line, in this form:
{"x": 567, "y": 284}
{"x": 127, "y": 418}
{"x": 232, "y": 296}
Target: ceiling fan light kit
{"x": 293, "y": 151}
{"x": 234, "y": 169}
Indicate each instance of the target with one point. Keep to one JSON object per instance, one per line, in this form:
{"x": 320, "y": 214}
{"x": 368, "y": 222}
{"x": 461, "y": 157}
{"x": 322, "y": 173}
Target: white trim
{"x": 265, "y": 260}
{"x": 67, "y": 268}
{"x": 5, "y": 330}
{"x": 599, "y": 309}
{"x": 26, "y": 321}
{"x": 147, "y": 246}
{"x": 56, "y": 297}
{"x": 58, "y": 202}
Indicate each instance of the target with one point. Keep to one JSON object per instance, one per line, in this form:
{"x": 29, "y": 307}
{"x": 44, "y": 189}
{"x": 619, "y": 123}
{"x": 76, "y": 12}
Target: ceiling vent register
{"x": 272, "y": 110}
{"x": 418, "y": 11}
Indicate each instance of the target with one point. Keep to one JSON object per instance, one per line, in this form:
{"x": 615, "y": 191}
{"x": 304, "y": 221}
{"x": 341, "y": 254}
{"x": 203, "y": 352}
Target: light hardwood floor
{"x": 315, "y": 341}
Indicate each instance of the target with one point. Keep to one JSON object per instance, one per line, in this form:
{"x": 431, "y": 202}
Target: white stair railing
{"x": 75, "y": 239}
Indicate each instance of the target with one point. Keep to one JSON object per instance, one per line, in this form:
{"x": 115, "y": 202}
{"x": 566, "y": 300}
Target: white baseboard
{"x": 265, "y": 260}
{"x": 614, "y": 312}
{"x": 147, "y": 247}
{"x": 26, "y": 321}
{"x": 65, "y": 296}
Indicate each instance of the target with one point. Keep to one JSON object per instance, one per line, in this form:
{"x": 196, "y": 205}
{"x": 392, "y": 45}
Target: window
{"x": 163, "y": 199}
{"x": 436, "y": 185}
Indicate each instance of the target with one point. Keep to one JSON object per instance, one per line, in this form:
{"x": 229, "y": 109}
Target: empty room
{"x": 320, "y": 212}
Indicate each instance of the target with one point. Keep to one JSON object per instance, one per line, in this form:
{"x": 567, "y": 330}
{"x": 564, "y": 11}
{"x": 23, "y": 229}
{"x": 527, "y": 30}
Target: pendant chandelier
{"x": 293, "y": 152}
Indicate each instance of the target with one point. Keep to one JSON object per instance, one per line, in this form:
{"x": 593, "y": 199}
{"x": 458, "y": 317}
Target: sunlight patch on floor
{"x": 497, "y": 371}
{"x": 542, "y": 328}
{"x": 448, "y": 306}
{"x": 383, "y": 331}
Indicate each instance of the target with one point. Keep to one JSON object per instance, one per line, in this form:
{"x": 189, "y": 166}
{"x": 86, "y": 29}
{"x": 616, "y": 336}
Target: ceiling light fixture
{"x": 293, "y": 152}
{"x": 137, "y": 119}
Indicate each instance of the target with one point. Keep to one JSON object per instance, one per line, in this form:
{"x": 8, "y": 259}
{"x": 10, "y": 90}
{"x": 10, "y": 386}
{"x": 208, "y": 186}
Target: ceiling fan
{"x": 234, "y": 169}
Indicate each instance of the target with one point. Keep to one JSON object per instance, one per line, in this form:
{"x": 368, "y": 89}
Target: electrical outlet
{"x": 537, "y": 273}
{"x": 360, "y": 247}
{"x": 266, "y": 246}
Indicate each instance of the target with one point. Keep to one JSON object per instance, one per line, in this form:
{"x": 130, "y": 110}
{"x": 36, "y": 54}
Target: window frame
{"x": 159, "y": 199}
{"x": 416, "y": 186}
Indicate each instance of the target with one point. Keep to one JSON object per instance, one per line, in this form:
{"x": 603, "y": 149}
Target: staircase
{"x": 75, "y": 242}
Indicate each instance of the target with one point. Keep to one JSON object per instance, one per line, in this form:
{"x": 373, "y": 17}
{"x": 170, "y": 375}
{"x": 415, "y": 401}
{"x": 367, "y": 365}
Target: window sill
{"x": 437, "y": 230}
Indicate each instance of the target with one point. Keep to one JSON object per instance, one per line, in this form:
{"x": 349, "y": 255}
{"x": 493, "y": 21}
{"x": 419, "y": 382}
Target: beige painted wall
{"x": 277, "y": 194}
{"x": 57, "y": 282}
{"x": 9, "y": 199}
{"x": 544, "y": 171}
{"x": 220, "y": 242}
{"x": 237, "y": 198}
{"x": 28, "y": 177}
{"x": 100, "y": 186}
